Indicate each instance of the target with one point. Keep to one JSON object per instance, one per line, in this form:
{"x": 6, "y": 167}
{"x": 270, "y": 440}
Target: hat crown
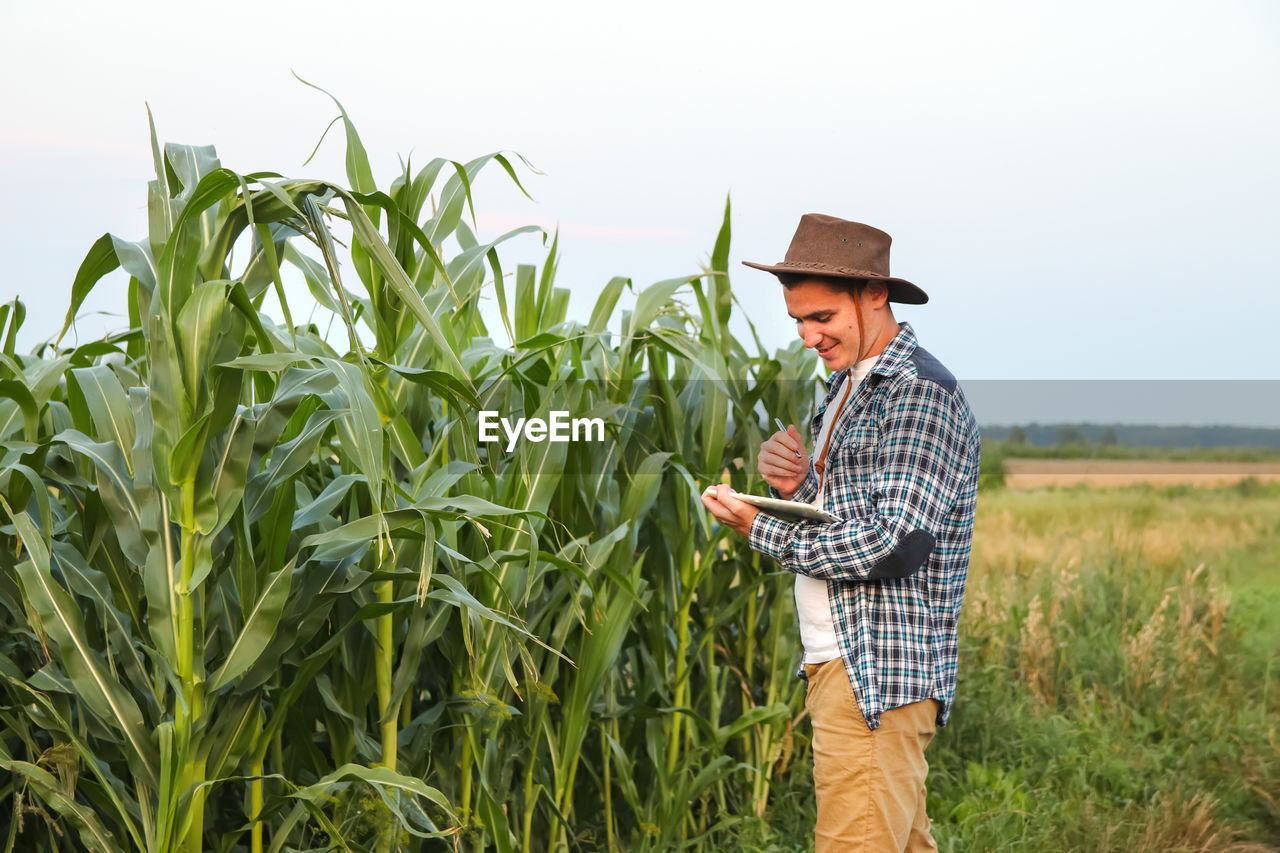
{"x": 822, "y": 240}
{"x": 831, "y": 247}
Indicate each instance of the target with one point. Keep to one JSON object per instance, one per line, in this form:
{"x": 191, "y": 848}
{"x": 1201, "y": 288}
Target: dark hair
{"x": 791, "y": 279}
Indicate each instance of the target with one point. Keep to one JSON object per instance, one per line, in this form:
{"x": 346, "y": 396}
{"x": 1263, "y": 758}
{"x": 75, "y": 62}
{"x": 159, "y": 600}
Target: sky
{"x": 1087, "y": 190}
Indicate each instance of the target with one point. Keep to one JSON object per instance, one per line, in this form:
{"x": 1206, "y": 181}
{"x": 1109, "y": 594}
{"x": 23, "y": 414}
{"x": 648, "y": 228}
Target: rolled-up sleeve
{"x": 921, "y": 463}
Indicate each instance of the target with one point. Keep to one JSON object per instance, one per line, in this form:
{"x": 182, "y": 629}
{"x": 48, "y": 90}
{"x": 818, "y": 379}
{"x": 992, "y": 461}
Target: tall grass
{"x": 1116, "y": 664}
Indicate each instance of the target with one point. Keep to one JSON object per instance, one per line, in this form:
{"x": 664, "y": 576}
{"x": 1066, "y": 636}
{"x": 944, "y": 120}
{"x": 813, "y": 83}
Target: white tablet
{"x": 786, "y": 509}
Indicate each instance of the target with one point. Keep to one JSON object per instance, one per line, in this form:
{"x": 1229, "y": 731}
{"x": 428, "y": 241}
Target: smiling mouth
{"x": 825, "y": 352}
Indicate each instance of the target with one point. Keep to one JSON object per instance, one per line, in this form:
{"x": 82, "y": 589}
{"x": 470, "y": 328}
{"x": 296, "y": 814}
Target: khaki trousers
{"x": 870, "y": 784}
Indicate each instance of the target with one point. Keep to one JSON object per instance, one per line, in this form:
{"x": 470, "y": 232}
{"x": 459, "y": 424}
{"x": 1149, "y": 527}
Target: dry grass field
{"x": 1040, "y": 473}
{"x": 1118, "y": 675}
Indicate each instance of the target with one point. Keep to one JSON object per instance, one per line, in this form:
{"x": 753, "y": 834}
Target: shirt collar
{"x": 895, "y": 354}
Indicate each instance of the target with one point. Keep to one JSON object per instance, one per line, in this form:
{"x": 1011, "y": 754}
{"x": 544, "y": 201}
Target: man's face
{"x": 827, "y": 321}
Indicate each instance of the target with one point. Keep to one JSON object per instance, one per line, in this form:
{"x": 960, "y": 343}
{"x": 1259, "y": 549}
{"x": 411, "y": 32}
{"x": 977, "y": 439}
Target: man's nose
{"x": 811, "y": 337}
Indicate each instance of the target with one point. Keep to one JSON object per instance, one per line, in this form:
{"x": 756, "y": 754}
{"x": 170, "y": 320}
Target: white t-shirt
{"x": 817, "y": 628}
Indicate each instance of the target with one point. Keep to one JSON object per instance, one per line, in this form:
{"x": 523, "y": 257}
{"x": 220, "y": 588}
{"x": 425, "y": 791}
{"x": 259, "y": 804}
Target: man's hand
{"x": 728, "y": 509}
{"x": 778, "y": 463}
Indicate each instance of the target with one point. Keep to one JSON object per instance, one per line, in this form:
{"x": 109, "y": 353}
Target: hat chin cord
{"x": 857, "y": 310}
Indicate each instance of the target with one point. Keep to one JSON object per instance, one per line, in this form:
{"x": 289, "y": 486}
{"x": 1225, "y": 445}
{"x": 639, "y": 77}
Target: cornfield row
{"x": 264, "y": 593}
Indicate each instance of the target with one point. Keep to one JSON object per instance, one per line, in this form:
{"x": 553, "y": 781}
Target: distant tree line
{"x": 1134, "y": 435}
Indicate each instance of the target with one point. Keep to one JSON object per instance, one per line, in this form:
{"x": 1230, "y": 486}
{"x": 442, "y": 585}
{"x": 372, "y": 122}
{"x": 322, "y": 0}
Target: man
{"x": 878, "y": 594}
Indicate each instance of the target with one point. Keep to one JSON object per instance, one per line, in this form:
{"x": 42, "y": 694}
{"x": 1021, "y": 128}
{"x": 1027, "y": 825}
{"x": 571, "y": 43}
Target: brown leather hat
{"x": 827, "y": 246}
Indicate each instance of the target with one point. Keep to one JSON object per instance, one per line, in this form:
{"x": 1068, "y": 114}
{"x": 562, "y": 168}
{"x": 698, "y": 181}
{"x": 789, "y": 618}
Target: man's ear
{"x": 875, "y": 294}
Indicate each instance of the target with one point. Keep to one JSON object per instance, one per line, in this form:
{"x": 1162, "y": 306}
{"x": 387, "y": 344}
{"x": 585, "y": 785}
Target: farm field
{"x": 264, "y": 590}
{"x": 1118, "y": 666}
{"x": 1039, "y": 473}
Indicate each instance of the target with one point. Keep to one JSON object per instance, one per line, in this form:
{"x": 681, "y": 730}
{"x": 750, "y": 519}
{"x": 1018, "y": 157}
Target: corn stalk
{"x": 268, "y": 591}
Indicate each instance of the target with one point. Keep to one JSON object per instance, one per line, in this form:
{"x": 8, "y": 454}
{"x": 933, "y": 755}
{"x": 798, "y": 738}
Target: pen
{"x": 778, "y": 421}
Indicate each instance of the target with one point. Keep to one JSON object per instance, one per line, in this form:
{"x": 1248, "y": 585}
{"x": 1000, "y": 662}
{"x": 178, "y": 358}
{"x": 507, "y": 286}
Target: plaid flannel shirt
{"x": 902, "y": 472}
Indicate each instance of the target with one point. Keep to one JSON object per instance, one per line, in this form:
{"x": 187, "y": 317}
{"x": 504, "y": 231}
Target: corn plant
{"x": 262, "y": 592}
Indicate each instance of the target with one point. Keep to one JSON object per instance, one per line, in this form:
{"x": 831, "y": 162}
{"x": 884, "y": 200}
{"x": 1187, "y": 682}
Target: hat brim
{"x": 900, "y": 290}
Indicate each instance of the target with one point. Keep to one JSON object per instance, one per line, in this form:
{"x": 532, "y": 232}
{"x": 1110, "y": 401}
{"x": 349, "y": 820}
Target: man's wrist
{"x": 804, "y": 493}
{"x": 770, "y": 535}
{"x": 781, "y": 495}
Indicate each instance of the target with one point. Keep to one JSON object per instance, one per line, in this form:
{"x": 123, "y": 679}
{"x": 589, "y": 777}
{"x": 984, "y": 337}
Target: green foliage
{"x": 1070, "y": 435}
{"x": 1144, "y": 436}
{"x": 1113, "y": 687}
{"x": 262, "y": 592}
{"x": 991, "y": 466}
{"x": 1009, "y": 448}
